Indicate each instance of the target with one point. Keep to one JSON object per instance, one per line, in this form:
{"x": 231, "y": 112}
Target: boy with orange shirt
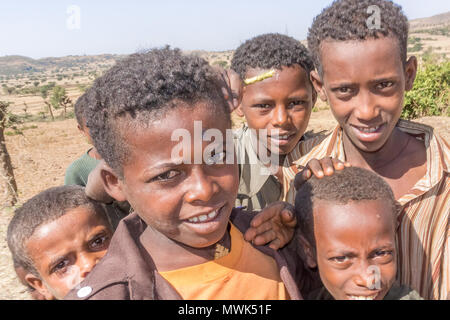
{"x": 182, "y": 206}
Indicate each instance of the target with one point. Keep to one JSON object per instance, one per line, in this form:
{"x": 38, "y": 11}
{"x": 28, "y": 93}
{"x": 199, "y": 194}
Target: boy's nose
{"x": 366, "y": 109}
{"x": 366, "y": 276}
{"x": 86, "y": 263}
{"x": 201, "y": 187}
{"x": 279, "y": 116}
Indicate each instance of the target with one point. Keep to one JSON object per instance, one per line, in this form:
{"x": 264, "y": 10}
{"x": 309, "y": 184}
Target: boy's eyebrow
{"x": 384, "y": 79}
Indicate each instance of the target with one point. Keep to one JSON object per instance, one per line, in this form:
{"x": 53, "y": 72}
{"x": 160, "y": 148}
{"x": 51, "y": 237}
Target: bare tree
{"x": 8, "y": 186}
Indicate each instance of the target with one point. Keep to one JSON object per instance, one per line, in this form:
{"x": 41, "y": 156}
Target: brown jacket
{"x": 127, "y": 271}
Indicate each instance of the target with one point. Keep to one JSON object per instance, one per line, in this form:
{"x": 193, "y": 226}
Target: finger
{"x": 276, "y": 244}
{"x": 301, "y": 178}
{"x": 316, "y": 168}
{"x": 327, "y": 166}
{"x": 264, "y": 238}
{"x": 338, "y": 164}
{"x": 267, "y": 213}
{"x": 252, "y": 233}
{"x": 288, "y": 218}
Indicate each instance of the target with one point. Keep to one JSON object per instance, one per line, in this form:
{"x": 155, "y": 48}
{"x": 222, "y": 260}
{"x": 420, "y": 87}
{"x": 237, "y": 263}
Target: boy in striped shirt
{"x": 359, "y": 50}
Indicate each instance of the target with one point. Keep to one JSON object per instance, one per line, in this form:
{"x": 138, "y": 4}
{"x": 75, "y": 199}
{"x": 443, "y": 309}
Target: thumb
{"x": 288, "y": 218}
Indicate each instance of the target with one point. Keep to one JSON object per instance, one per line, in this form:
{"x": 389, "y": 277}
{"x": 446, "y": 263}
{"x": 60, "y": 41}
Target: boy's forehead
{"x": 362, "y": 213}
{"x": 370, "y": 52}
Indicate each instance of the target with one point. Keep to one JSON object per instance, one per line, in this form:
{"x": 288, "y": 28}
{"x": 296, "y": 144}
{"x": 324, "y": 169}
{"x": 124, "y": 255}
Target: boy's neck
{"x": 383, "y": 158}
{"x": 163, "y": 250}
{"x": 401, "y": 161}
{"x": 94, "y": 154}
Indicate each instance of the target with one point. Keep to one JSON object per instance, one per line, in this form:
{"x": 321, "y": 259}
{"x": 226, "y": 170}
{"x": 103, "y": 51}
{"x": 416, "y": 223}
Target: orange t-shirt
{"x": 243, "y": 274}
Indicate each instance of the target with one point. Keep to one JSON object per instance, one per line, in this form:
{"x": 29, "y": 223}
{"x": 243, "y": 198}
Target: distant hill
{"x": 432, "y": 33}
{"x": 440, "y": 20}
{"x": 12, "y": 65}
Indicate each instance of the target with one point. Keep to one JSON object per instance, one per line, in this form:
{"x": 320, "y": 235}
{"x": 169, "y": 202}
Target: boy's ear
{"x": 309, "y": 252}
{"x": 39, "y": 286}
{"x": 410, "y": 72}
{"x": 318, "y": 85}
{"x": 113, "y": 185}
{"x": 239, "y": 111}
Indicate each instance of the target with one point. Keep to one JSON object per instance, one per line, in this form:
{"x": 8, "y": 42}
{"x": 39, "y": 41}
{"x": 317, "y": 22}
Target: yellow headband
{"x": 260, "y": 77}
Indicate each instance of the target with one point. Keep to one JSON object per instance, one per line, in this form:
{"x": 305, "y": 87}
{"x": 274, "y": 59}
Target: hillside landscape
{"x": 42, "y": 136}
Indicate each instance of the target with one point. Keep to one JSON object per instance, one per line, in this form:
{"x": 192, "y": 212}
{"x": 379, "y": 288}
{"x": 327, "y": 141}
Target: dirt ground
{"x": 41, "y": 155}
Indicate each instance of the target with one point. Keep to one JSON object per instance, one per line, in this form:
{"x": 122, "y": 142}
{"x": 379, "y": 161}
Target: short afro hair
{"x": 346, "y": 20}
{"x": 142, "y": 88}
{"x": 43, "y": 208}
{"x": 272, "y": 50}
{"x": 349, "y": 184}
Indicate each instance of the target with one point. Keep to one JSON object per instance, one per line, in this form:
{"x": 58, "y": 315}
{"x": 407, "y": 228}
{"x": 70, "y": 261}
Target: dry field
{"x": 41, "y": 155}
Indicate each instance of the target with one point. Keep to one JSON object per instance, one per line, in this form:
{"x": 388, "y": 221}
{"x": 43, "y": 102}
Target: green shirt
{"x": 257, "y": 186}
{"x": 78, "y": 171}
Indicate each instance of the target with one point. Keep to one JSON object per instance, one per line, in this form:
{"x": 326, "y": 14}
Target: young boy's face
{"x": 65, "y": 250}
{"x": 188, "y": 203}
{"x": 364, "y": 83}
{"x": 355, "y": 248}
{"x": 281, "y": 104}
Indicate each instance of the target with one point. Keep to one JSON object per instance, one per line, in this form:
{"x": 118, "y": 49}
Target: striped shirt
{"x": 423, "y": 236}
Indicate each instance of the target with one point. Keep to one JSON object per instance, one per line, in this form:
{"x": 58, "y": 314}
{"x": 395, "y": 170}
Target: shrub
{"x": 431, "y": 93}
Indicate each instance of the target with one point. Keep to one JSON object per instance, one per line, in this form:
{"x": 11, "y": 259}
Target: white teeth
{"x": 285, "y": 137}
{"x": 204, "y": 217}
{"x": 362, "y": 297}
{"x": 194, "y": 219}
{"x": 212, "y": 214}
{"x": 368, "y": 130}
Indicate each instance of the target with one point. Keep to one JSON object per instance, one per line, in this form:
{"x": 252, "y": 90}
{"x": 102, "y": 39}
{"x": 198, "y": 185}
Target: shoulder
{"x": 402, "y": 292}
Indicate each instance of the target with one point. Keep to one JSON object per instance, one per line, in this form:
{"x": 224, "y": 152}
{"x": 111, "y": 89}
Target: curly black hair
{"x": 271, "y": 50}
{"x": 346, "y": 20}
{"x": 142, "y": 88}
{"x": 43, "y": 208}
{"x": 80, "y": 107}
{"x": 349, "y": 184}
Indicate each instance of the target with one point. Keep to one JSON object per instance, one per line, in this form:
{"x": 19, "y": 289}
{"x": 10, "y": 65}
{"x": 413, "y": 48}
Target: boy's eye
{"x": 298, "y": 103}
{"x": 383, "y": 255}
{"x": 99, "y": 242}
{"x": 215, "y": 158}
{"x": 339, "y": 259}
{"x": 344, "y": 90}
{"x": 386, "y": 84}
{"x": 166, "y": 175}
{"x": 61, "y": 266}
{"x": 262, "y": 106}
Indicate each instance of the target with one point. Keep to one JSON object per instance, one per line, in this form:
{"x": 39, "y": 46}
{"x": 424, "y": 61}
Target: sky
{"x": 57, "y": 28}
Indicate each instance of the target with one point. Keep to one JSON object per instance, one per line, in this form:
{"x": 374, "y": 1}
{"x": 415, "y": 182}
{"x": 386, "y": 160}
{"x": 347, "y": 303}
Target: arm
{"x": 275, "y": 224}
{"x": 94, "y": 186}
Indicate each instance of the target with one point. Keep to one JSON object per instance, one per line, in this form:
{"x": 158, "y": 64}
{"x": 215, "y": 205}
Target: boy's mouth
{"x": 364, "y": 297}
{"x": 281, "y": 140}
{"x": 207, "y": 216}
{"x": 368, "y": 133}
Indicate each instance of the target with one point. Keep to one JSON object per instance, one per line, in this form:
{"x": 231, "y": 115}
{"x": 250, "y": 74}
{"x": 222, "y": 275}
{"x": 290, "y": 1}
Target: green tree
{"x": 44, "y": 94}
{"x": 59, "y": 99}
{"x": 431, "y": 93}
{"x": 8, "y": 185}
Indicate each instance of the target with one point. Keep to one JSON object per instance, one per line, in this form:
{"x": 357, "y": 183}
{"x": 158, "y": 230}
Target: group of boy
{"x": 376, "y": 230}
